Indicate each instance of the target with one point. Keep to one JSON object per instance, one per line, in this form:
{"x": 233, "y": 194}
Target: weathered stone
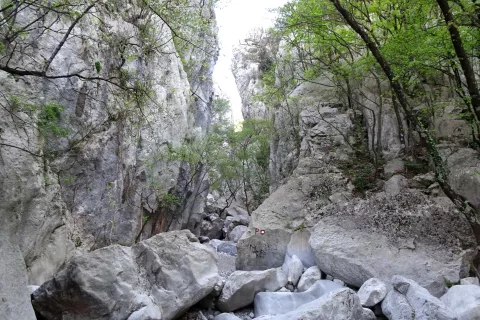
{"x": 227, "y": 247}
{"x": 422, "y": 181}
{"x": 308, "y": 279}
{"x": 269, "y": 303}
{"x": 372, "y": 292}
{"x": 340, "y": 304}
{"x": 283, "y": 213}
{"x": 464, "y": 166}
{"x": 464, "y": 301}
{"x": 470, "y": 280}
{"x": 163, "y": 275}
{"x": 237, "y": 233}
{"x": 395, "y": 185}
{"x": 211, "y": 226}
{"x": 299, "y": 247}
{"x": 242, "y": 286}
{"x": 293, "y": 268}
{"x": 409, "y": 300}
{"x": 382, "y": 236}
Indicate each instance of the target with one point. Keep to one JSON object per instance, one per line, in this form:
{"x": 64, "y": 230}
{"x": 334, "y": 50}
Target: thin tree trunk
{"x": 440, "y": 170}
{"x": 461, "y": 55}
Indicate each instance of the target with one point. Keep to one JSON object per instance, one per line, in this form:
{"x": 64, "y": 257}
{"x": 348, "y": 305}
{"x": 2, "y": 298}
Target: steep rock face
{"x": 80, "y": 164}
{"x": 314, "y": 181}
{"x": 165, "y": 274}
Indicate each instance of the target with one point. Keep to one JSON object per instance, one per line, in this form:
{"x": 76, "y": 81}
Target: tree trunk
{"x": 462, "y": 56}
{"x": 440, "y": 170}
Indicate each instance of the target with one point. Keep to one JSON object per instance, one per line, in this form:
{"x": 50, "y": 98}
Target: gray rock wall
{"x": 96, "y": 178}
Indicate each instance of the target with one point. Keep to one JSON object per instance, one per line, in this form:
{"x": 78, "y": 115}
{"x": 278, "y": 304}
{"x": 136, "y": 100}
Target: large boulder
{"x": 242, "y": 286}
{"x": 308, "y": 279}
{"x": 268, "y": 303}
{"x": 340, "y": 304}
{"x": 284, "y": 212}
{"x": 407, "y": 234}
{"x": 161, "y": 277}
{"x": 373, "y": 291}
{"x": 410, "y": 301}
{"x": 464, "y": 301}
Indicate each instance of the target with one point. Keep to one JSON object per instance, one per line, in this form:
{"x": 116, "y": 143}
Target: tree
{"x": 462, "y": 56}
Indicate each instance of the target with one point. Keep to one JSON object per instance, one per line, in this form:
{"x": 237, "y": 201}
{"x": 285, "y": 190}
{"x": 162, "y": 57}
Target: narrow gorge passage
{"x": 236, "y": 160}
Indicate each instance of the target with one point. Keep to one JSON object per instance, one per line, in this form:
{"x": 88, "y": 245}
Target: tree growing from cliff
{"x": 37, "y": 37}
{"x": 404, "y": 43}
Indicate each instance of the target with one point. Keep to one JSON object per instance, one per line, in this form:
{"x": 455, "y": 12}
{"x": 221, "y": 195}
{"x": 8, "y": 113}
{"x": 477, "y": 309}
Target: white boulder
{"x": 410, "y": 301}
{"x": 373, "y": 291}
{"x": 464, "y": 301}
{"x": 159, "y": 277}
{"x": 340, "y": 304}
{"x": 308, "y": 278}
{"x": 242, "y": 286}
{"x": 269, "y": 303}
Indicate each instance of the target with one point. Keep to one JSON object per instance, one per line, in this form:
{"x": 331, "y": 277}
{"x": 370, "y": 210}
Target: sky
{"x": 235, "y": 19}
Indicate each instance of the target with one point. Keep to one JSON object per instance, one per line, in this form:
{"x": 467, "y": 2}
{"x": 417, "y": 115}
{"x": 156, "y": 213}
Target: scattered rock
{"x": 157, "y": 278}
{"x": 395, "y": 185}
{"x": 237, "y": 233}
{"x": 464, "y": 301}
{"x": 340, "y": 304}
{"x": 242, "y": 286}
{"x": 409, "y": 300}
{"x": 212, "y": 226}
{"x": 308, "y": 279}
{"x": 269, "y": 303}
{"x": 422, "y": 181}
{"x": 373, "y": 291}
{"x": 227, "y": 247}
{"x": 470, "y": 280}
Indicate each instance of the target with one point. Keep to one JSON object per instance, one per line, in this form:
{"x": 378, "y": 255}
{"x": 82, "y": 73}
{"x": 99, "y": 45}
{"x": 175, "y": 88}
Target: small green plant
{"x": 145, "y": 219}
{"x": 300, "y": 227}
{"x": 170, "y": 201}
{"x": 49, "y": 119}
{"x": 98, "y": 66}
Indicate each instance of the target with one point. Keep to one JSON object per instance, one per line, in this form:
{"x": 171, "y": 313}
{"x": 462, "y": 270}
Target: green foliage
{"x": 49, "y": 120}
{"x": 361, "y": 173}
{"x": 170, "y": 201}
{"x": 98, "y": 66}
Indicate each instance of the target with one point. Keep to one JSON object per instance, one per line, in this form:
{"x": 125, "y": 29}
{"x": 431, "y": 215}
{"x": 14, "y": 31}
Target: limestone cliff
{"x": 81, "y": 157}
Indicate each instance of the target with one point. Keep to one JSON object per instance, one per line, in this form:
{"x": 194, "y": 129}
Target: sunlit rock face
{"x": 94, "y": 175}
